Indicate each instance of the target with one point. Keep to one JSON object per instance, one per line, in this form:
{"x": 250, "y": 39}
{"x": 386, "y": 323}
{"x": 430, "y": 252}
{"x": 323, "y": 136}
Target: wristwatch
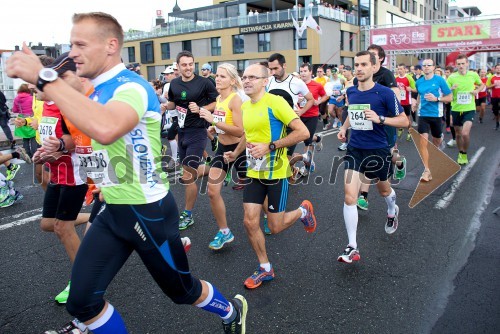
{"x": 382, "y": 119}
{"x": 439, "y": 99}
{"x": 45, "y": 76}
{"x": 272, "y": 146}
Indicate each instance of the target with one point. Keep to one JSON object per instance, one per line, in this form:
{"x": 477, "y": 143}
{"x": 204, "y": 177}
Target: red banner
{"x": 447, "y": 35}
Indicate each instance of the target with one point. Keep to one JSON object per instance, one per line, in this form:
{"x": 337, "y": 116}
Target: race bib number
{"x": 464, "y": 98}
{"x": 47, "y": 127}
{"x": 219, "y": 117}
{"x": 95, "y": 164}
{"x": 357, "y": 117}
{"x": 402, "y": 94}
{"x": 259, "y": 164}
{"x": 182, "y": 116}
{"x": 336, "y": 92}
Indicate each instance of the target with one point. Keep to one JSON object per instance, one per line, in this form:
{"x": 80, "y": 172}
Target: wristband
{"x": 62, "y": 146}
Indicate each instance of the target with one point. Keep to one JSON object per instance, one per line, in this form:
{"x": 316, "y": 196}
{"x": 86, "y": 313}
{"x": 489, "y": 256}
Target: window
{"x": 305, "y": 59}
{"x": 214, "y": 65}
{"x": 147, "y": 52}
{"x": 404, "y": 5}
{"x": 302, "y": 40}
{"x": 351, "y": 41}
{"x": 238, "y": 44}
{"x": 341, "y": 40}
{"x": 421, "y": 11}
{"x": 415, "y": 7}
{"x": 165, "y": 50}
{"x": 241, "y": 65}
{"x": 264, "y": 42}
{"x": 216, "y": 46}
{"x": 186, "y": 45}
{"x": 131, "y": 54}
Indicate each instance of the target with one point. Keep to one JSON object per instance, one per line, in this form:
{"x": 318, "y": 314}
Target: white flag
{"x": 311, "y": 23}
{"x": 295, "y": 24}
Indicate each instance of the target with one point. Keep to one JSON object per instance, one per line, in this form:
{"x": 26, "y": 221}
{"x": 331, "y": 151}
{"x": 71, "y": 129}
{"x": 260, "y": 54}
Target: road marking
{"x": 27, "y": 212}
{"x": 20, "y": 222}
{"x": 450, "y": 193}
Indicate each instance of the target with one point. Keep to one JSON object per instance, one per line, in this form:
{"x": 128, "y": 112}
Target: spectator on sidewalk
{"x": 4, "y": 119}
{"x": 22, "y": 106}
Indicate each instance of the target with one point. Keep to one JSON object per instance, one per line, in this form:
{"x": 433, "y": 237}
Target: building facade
{"x": 243, "y": 32}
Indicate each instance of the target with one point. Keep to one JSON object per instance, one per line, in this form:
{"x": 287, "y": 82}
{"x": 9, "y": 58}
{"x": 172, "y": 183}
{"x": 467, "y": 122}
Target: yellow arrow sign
{"x": 442, "y": 168}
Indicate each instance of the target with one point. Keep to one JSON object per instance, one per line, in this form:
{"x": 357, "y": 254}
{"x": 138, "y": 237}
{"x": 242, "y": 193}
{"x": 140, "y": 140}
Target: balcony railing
{"x": 183, "y": 26}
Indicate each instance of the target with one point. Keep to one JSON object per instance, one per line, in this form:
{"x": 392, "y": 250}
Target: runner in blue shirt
{"x": 432, "y": 92}
{"x": 371, "y": 108}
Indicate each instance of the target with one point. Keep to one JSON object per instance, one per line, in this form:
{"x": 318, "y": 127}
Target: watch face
{"x": 48, "y": 74}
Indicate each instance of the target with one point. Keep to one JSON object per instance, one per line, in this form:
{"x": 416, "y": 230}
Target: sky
{"x": 49, "y": 22}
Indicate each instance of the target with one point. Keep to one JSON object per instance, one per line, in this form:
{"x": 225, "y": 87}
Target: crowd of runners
{"x": 106, "y": 137}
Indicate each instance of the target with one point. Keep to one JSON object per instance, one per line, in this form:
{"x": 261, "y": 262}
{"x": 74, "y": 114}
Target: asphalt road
{"x": 404, "y": 282}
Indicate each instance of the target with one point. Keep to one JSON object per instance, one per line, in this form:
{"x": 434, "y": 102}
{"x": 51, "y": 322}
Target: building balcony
{"x": 183, "y": 26}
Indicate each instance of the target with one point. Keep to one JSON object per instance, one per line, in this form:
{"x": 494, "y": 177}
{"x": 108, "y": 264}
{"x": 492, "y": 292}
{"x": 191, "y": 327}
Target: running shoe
{"x": 238, "y": 325}
{"x": 448, "y": 129}
{"x": 462, "y": 159}
{"x": 220, "y": 240}
{"x": 12, "y": 144}
{"x": 350, "y": 254}
{"x": 339, "y": 124}
{"x": 4, "y": 193}
{"x": 307, "y": 157}
{"x": 414, "y": 124}
{"x": 259, "y": 276}
{"x": 319, "y": 143}
{"x": 215, "y": 143}
{"x": 267, "y": 231}
{"x": 303, "y": 171}
{"x": 11, "y": 199}
{"x": 62, "y": 297}
{"x": 392, "y": 223}
{"x": 23, "y": 155}
{"x": 408, "y": 137}
{"x": 400, "y": 172}
{"x": 327, "y": 126}
{"x": 400, "y": 132}
{"x": 69, "y": 328}
{"x": 12, "y": 171}
{"x": 186, "y": 243}
{"x": 362, "y": 203}
{"x": 342, "y": 147}
{"x": 334, "y": 125}
{"x": 451, "y": 143}
{"x": 309, "y": 219}
{"x": 185, "y": 221}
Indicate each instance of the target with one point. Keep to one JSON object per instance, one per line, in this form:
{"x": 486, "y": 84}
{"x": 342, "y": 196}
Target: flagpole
{"x": 297, "y": 38}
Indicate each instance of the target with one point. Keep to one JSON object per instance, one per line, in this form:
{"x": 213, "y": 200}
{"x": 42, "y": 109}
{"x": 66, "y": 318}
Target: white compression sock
{"x": 391, "y": 203}
{"x": 173, "y": 147}
{"x": 351, "y": 223}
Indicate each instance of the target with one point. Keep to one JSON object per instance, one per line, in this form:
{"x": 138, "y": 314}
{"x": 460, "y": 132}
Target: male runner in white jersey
{"x": 291, "y": 89}
{"x": 141, "y": 213}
